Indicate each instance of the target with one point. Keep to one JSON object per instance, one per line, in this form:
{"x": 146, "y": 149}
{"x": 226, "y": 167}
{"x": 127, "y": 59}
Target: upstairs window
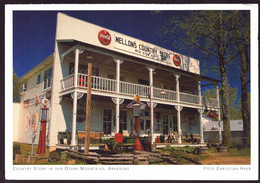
{"x": 23, "y": 88}
{"x": 38, "y": 79}
{"x": 47, "y": 78}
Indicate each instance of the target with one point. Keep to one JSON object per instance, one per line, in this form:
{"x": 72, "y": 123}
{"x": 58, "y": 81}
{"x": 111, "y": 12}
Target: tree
{"x": 212, "y": 33}
{"x": 16, "y": 86}
{"x": 242, "y": 37}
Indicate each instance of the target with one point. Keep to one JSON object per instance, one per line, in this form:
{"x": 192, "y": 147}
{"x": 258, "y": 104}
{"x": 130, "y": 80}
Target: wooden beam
{"x": 88, "y": 106}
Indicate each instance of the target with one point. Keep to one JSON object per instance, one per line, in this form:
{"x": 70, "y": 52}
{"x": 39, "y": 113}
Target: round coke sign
{"x": 104, "y": 37}
{"x": 176, "y": 60}
{"x": 119, "y": 137}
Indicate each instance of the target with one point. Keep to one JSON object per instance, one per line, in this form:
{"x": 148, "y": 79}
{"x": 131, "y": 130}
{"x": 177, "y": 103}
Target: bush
{"x": 237, "y": 145}
{"x": 187, "y": 149}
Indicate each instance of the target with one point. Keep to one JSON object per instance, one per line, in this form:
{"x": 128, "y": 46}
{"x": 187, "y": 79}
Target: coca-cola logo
{"x": 176, "y": 60}
{"x": 104, "y": 37}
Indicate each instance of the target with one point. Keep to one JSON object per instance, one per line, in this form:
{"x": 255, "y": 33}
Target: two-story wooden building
{"x": 122, "y": 68}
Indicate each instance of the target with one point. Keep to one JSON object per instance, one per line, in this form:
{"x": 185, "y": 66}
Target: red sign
{"x": 119, "y": 137}
{"x": 176, "y": 60}
{"x": 36, "y": 101}
{"x": 104, "y": 37}
{"x": 26, "y": 103}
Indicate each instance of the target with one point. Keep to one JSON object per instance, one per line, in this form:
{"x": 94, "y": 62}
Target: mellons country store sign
{"x": 146, "y": 50}
{"x": 139, "y": 48}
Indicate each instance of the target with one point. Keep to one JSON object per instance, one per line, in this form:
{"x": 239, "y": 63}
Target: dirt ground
{"x": 224, "y": 159}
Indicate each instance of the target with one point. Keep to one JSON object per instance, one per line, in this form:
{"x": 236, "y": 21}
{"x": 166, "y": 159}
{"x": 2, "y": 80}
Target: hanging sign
{"x": 176, "y": 60}
{"x": 34, "y": 122}
{"x": 81, "y": 116}
{"x": 27, "y": 122}
{"x": 104, "y": 37}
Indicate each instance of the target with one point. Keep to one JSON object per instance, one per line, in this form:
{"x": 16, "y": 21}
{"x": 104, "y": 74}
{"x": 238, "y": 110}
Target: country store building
{"x": 122, "y": 68}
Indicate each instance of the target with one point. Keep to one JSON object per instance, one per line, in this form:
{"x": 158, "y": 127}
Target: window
{"x": 110, "y": 76}
{"x": 23, "y": 88}
{"x": 143, "y": 82}
{"x": 175, "y": 127}
{"x": 47, "y": 78}
{"x": 107, "y": 121}
{"x": 38, "y": 79}
{"x": 165, "y": 124}
{"x": 123, "y": 121}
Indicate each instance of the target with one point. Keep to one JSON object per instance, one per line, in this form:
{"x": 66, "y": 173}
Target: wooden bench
{"x": 95, "y": 137}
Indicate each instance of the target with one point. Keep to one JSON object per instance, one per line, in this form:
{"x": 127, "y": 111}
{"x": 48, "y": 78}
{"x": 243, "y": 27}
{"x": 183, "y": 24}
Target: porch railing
{"x": 131, "y": 89}
{"x": 171, "y": 95}
{"x": 67, "y": 82}
{"x": 189, "y": 98}
{"x": 109, "y": 85}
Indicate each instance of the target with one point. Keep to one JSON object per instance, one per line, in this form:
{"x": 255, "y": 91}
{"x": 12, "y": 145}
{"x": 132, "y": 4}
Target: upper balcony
{"x": 107, "y": 85}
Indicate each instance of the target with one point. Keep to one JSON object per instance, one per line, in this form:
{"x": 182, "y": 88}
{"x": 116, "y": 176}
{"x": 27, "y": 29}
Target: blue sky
{"x": 34, "y": 34}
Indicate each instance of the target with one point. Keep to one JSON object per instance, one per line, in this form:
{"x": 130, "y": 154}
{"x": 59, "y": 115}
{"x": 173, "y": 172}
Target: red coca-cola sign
{"x": 104, "y": 37}
{"x": 119, "y": 137}
{"x": 176, "y": 60}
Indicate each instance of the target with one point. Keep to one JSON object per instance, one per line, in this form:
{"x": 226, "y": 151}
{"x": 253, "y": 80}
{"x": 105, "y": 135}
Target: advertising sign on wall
{"x": 27, "y": 122}
{"x": 34, "y": 122}
{"x": 26, "y": 103}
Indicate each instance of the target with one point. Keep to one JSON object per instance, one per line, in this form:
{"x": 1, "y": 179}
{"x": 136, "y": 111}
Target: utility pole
{"x": 88, "y": 106}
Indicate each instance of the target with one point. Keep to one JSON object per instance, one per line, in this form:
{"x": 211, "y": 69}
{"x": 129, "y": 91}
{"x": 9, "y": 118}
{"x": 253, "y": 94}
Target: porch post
{"x": 73, "y": 126}
{"x": 118, "y": 62}
{"x": 74, "y": 115}
{"x": 76, "y": 67}
{"x": 201, "y": 126}
{"x": 199, "y": 92}
{"x": 177, "y": 87}
{"x": 219, "y": 117}
{"x": 179, "y": 108}
{"x": 151, "y": 102}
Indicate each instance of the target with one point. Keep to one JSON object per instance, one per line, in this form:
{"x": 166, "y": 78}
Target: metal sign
{"x": 34, "y": 122}
{"x": 104, "y": 37}
{"x": 119, "y": 138}
{"x": 176, "y": 60}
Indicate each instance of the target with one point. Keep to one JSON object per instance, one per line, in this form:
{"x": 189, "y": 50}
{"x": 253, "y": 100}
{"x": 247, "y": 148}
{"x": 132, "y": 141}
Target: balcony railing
{"x": 171, "y": 95}
{"x": 189, "y": 98}
{"x": 126, "y": 88}
{"x": 132, "y": 89}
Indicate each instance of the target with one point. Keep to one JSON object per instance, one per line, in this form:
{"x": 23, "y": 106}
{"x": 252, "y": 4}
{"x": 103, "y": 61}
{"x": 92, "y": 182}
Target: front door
{"x": 165, "y": 124}
{"x": 107, "y": 117}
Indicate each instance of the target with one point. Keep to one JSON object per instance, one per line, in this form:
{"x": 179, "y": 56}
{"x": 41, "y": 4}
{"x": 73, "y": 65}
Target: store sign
{"x": 144, "y": 49}
{"x": 26, "y": 103}
{"x": 104, "y": 37}
{"x": 31, "y": 102}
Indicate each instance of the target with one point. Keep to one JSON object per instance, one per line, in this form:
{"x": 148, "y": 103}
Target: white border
{"x": 159, "y": 172}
